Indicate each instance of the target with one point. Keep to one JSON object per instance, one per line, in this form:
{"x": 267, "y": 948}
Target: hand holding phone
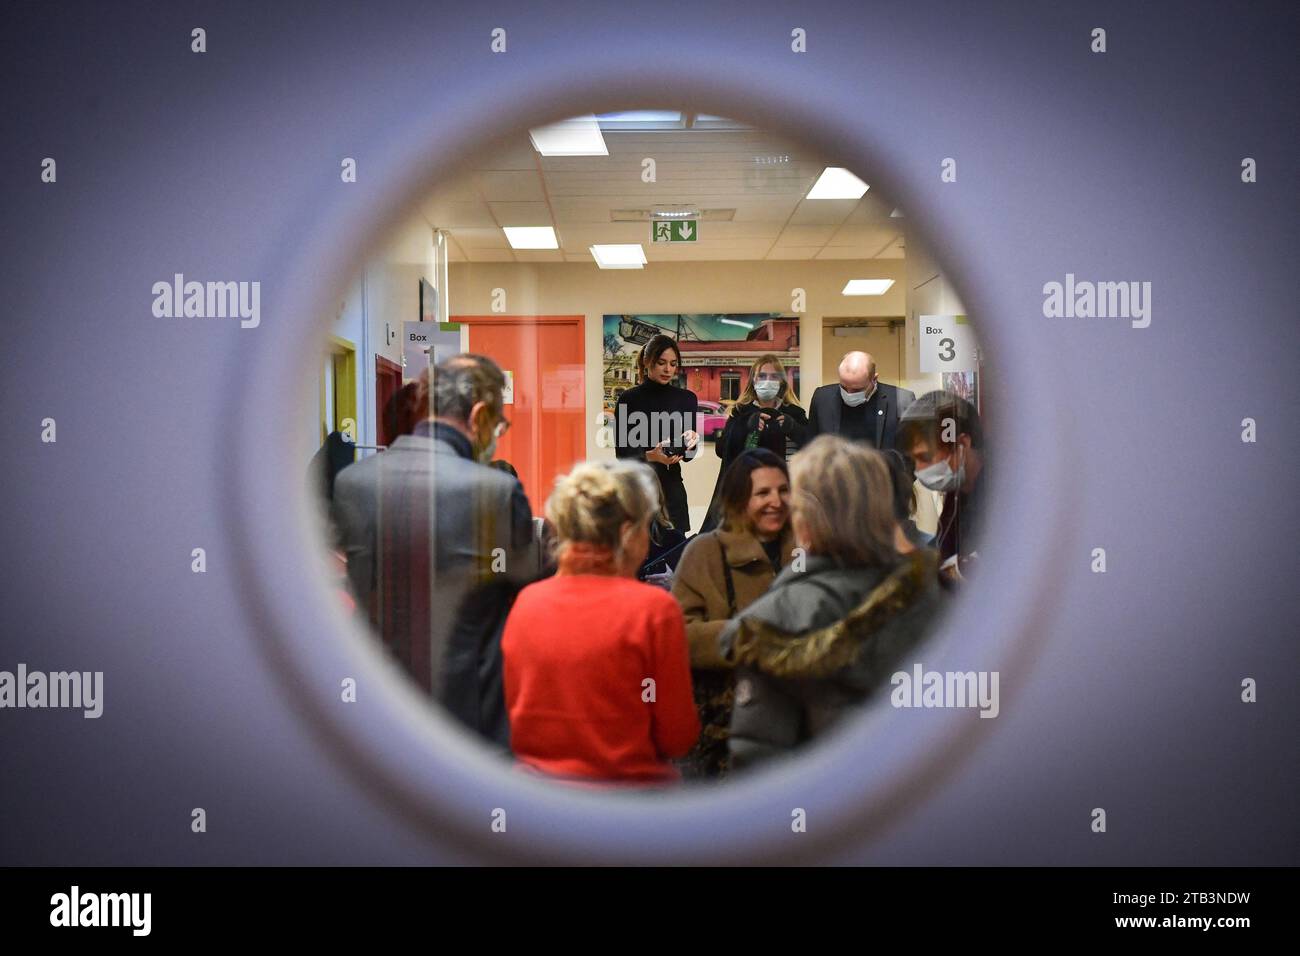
{"x": 665, "y": 454}
{"x": 663, "y": 579}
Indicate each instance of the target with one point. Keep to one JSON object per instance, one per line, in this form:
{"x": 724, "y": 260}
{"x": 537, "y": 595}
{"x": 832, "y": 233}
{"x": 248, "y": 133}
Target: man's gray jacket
{"x": 437, "y": 547}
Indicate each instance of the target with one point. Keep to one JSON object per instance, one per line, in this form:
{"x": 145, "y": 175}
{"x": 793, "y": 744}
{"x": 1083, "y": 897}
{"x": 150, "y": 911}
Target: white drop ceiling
{"x": 761, "y": 176}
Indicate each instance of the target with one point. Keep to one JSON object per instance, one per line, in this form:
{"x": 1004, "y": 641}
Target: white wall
{"x": 929, "y": 292}
{"x": 392, "y": 296}
{"x": 385, "y": 294}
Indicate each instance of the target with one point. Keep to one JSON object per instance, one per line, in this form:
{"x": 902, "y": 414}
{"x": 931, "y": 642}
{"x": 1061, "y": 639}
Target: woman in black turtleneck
{"x": 657, "y": 415}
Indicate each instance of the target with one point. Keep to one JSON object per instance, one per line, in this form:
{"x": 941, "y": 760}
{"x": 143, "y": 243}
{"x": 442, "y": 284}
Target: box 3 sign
{"x": 948, "y": 344}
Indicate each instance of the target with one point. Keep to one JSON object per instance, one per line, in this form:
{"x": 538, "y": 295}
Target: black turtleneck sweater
{"x": 649, "y": 413}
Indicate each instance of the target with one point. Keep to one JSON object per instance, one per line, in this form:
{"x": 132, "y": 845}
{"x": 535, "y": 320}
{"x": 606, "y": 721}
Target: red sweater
{"x": 576, "y": 651}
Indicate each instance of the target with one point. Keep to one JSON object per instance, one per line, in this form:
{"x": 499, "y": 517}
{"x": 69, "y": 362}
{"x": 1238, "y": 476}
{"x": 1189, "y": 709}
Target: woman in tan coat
{"x": 720, "y": 574}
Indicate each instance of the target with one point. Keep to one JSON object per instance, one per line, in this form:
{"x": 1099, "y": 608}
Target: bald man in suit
{"x": 859, "y": 407}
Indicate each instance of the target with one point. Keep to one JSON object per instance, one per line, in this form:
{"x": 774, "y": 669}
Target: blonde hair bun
{"x": 592, "y": 502}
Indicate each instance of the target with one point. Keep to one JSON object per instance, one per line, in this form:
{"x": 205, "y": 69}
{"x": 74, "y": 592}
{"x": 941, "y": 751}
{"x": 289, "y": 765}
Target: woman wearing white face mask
{"x": 941, "y": 431}
{"x": 767, "y": 415}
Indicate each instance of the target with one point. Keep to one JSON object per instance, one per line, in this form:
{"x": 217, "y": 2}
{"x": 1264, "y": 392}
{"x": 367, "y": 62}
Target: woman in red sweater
{"x": 597, "y": 670}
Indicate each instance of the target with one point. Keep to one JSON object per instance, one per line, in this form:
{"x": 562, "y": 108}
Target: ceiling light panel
{"x": 835, "y": 182}
{"x": 579, "y": 136}
{"x": 530, "y": 237}
{"x": 619, "y": 256}
{"x": 867, "y": 287}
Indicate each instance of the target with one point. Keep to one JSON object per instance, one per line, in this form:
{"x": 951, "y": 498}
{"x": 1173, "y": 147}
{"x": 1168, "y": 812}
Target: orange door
{"x": 545, "y": 356}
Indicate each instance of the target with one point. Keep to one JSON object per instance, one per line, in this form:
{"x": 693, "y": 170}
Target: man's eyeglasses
{"x": 502, "y": 427}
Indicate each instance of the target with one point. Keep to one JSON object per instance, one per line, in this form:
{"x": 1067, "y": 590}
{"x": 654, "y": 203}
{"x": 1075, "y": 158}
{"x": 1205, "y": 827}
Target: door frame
{"x": 384, "y": 367}
{"x": 339, "y": 346}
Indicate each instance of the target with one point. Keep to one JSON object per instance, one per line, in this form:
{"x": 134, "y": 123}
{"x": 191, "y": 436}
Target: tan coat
{"x": 700, "y": 586}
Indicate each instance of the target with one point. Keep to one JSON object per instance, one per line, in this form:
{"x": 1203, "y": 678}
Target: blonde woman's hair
{"x": 785, "y": 397}
{"x": 842, "y": 494}
{"x": 592, "y": 502}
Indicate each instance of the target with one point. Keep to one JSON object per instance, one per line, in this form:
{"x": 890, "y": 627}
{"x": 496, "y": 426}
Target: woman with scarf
{"x": 597, "y": 671}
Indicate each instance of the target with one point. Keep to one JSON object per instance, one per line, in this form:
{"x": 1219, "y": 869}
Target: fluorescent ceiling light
{"x": 836, "y": 182}
{"x": 867, "y": 287}
{"x": 619, "y": 256}
{"x": 743, "y": 325}
{"x": 641, "y": 119}
{"x": 705, "y": 121}
{"x": 650, "y": 120}
{"x": 531, "y": 237}
{"x": 579, "y": 136}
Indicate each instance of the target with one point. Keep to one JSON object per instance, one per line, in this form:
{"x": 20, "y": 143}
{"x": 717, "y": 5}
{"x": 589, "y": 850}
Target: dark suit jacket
{"x": 421, "y": 526}
{"x": 826, "y": 404}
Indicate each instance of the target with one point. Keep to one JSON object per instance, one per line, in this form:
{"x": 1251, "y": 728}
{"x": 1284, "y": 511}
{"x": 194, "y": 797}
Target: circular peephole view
{"x": 650, "y": 448}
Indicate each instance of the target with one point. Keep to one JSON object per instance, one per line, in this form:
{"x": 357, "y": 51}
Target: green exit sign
{"x": 674, "y": 230}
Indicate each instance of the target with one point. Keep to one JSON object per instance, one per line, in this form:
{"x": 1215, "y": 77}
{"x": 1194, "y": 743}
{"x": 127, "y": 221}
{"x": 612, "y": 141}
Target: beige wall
{"x": 694, "y": 287}
{"x": 580, "y": 288}
{"x": 388, "y": 293}
{"x": 887, "y": 346}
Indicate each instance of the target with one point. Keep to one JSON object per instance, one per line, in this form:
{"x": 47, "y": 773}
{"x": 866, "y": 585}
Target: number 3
{"x": 947, "y": 350}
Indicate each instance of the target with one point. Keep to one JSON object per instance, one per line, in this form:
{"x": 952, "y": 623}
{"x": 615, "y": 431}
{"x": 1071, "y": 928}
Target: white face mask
{"x": 766, "y": 391}
{"x": 484, "y": 453}
{"x": 941, "y": 477}
{"x": 852, "y": 399}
